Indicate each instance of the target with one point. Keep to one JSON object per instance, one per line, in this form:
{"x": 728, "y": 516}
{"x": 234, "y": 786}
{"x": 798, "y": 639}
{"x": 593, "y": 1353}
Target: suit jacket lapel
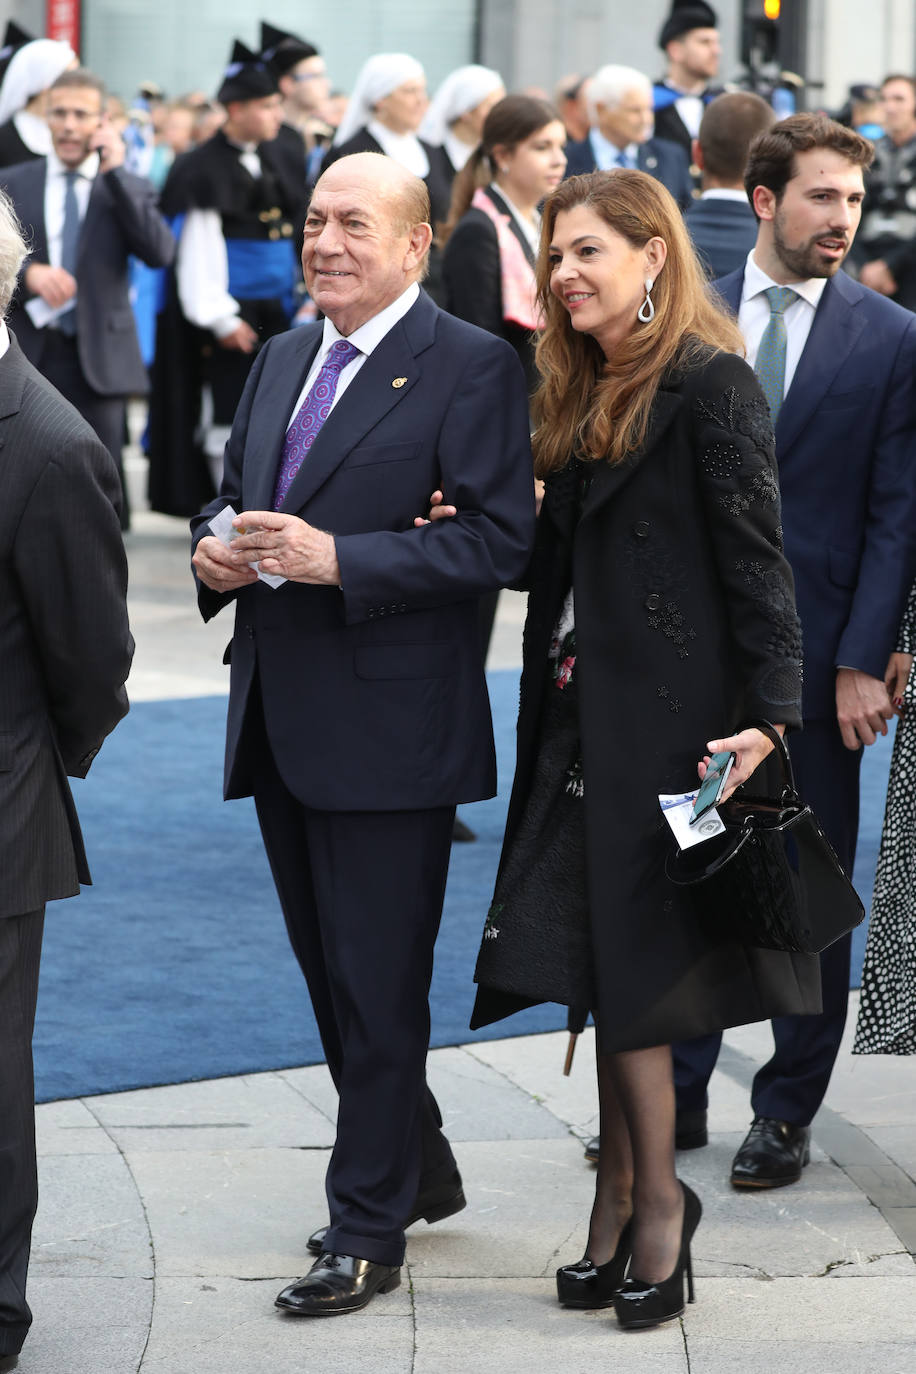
{"x": 276, "y": 399}
{"x": 12, "y": 384}
{"x": 834, "y": 331}
{"x": 514, "y": 225}
{"x": 609, "y": 478}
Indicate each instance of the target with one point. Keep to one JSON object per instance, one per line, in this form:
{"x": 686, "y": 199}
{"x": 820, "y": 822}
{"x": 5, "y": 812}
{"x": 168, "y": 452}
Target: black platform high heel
{"x": 639, "y": 1304}
{"x": 589, "y": 1285}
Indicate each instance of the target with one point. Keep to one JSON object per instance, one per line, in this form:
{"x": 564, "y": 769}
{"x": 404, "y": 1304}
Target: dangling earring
{"x": 647, "y": 309}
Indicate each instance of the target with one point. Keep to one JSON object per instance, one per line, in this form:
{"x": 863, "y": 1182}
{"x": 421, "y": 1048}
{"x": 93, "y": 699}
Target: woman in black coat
{"x": 665, "y": 523}
{"x": 491, "y": 237}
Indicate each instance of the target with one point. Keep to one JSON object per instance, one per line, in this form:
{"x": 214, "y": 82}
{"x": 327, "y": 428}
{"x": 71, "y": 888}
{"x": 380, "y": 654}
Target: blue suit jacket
{"x": 374, "y": 696}
{"x": 663, "y": 160}
{"x": 846, "y": 449}
{"x": 723, "y": 233}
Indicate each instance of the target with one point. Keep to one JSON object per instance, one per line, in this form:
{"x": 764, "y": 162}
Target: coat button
{"x": 653, "y": 602}
{"x": 371, "y": 613}
{"x": 402, "y": 607}
{"x": 641, "y": 529}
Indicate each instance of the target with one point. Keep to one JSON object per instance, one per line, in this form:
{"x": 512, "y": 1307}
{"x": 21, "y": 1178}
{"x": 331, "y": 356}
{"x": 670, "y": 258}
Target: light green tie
{"x": 771, "y": 355}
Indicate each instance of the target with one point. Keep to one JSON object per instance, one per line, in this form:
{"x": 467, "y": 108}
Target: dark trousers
{"x": 20, "y": 953}
{"x": 105, "y": 414}
{"x": 362, "y": 895}
{"x": 792, "y": 1084}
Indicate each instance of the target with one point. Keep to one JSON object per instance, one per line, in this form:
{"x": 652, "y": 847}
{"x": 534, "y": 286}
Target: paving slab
{"x": 801, "y": 1311}
{"x": 225, "y": 1113}
{"x": 69, "y": 1128}
{"x": 87, "y": 1325}
{"x": 90, "y": 1219}
{"x": 479, "y": 1103}
{"x": 723, "y": 1356}
{"x": 223, "y": 1326}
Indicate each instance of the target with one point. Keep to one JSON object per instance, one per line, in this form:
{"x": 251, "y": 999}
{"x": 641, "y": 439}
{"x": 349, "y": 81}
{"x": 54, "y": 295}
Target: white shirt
{"x": 34, "y": 132}
{"x": 458, "y": 151}
{"x": 367, "y": 338}
{"x": 608, "y": 155}
{"x": 403, "y": 148}
{"x": 754, "y": 314}
{"x": 56, "y": 190}
{"x": 725, "y": 193}
{"x": 4, "y": 338}
{"x": 530, "y": 228}
{"x": 690, "y": 108}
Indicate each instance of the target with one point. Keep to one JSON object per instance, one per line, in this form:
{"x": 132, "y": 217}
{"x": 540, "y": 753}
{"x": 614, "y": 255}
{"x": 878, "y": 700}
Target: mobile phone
{"x": 712, "y": 786}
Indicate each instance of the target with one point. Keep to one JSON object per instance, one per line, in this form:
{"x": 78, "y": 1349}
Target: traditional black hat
{"x": 13, "y": 39}
{"x": 686, "y": 15}
{"x": 247, "y": 77}
{"x": 282, "y": 50}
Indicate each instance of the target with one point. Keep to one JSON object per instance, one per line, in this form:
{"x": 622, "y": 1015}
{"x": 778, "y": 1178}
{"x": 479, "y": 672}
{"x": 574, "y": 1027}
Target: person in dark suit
{"x": 66, "y": 651}
{"x": 85, "y": 215}
{"x": 844, "y": 400}
{"x": 620, "y": 106}
{"x": 646, "y": 640}
{"x": 721, "y": 223}
{"x": 348, "y": 679}
{"x": 689, "y": 38}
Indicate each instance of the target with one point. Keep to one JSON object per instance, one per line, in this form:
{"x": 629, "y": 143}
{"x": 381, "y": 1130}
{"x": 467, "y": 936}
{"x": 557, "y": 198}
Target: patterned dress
{"x": 887, "y": 1009}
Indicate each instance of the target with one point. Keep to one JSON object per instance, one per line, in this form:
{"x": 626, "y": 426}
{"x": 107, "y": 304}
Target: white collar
{"x": 88, "y": 168}
{"x": 403, "y": 148}
{"x": 600, "y": 143}
{"x": 726, "y": 193}
{"x": 756, "y": 282}
{"x": 34, "y": 132}
{"x": 458, "y": 151}
{"x": 4, "y": 338}
{"x": 370, "y": 334}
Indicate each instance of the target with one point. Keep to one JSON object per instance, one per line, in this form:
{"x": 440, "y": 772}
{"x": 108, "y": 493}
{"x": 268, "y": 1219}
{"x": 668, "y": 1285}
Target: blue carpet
{"x": 175, "y": 965}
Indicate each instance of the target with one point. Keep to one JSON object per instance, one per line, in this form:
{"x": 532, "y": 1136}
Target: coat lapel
{"x": 276, "y": 398}
{"x": 609, "y": 478}
{"x": 834, "y": 332}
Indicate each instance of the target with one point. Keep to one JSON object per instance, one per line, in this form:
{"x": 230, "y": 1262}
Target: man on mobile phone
{"x": 84, "y": 215}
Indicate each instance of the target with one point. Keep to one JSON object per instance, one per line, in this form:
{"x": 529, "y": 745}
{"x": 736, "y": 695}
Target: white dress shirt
{"x": 367, "y": 338}
{"x": 608, "y": 155}
{"x": 56, "y": 190}
{"x": 754, "y": 314}
{"x": 690, "y": 108}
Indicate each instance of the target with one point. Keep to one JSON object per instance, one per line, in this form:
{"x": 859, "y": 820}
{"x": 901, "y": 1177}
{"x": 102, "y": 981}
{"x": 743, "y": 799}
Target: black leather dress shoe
{"x": 336, "y": 1284}
{"x": 432, "y": 1205}
{"x": 8, "y": 1362}
{"x": 773, "y": 1154}
{"x": 592, "y": 1149}
{"x": 461, "y": 833}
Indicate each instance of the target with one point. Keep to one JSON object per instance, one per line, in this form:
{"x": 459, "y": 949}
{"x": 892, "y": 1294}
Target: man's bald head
{"x": 367, "y": 237}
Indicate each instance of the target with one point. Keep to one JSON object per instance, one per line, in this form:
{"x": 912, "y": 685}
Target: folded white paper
{"x": 222, "y": 527}
{"x": 677, "y": 810}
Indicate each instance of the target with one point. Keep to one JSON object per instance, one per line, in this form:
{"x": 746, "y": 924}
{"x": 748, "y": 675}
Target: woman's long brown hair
{"x": 598, "y": 407}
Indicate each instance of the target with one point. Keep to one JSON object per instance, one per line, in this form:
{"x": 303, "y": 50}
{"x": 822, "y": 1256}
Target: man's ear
{"x": 421, "y": 236}
{"x": 696, "y": 153}
{"x": 764, "y": 203}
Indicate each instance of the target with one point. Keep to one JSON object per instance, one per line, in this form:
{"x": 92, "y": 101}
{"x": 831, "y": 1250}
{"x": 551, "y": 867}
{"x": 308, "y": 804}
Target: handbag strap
{"x": 789, "y": 793}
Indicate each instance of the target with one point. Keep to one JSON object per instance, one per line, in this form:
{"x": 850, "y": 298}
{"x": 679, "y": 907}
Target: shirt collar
{"x": 370, "y": 334}
{"x": 726, "y": 193}
{"x": 611, "y": 152}
{"x": 4, "y": 338}
{"x": 756, "y": 282}
{"x": 88, "y": 168}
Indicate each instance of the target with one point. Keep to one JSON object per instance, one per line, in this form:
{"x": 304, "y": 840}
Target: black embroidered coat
{"x": 685, "y": 622}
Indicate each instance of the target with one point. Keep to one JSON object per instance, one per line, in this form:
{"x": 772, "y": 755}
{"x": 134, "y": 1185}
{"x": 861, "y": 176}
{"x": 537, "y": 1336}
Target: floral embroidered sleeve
{"x": 736, "y": 467}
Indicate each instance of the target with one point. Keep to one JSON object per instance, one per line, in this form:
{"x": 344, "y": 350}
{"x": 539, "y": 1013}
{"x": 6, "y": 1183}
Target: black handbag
{"x": 772, "y": 880}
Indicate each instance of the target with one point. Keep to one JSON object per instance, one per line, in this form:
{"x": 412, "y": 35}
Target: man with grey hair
{"x": 66, "y": 650}
{"x": 620, "y": 109}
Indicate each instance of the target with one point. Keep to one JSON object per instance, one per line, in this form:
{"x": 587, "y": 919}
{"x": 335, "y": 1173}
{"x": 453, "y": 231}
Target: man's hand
{"x": 863, "y": 707}
{"x": 437, "y": 511}
{"x": 53, "y": 284}
{"x": 878, "y": 276}
{"x": 750, "y": 746}
{"x": 286, "y": 545}
{"x": 217, "y": 569}
{"x": 896, "y": 676}
{"x": 109, "y": 145}
{"x": 243, "y": 338}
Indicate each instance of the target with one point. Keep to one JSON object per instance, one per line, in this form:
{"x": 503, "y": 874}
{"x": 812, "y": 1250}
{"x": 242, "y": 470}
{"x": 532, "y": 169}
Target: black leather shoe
{"x": 592, "y": 1148}
{"x": 461, "y": 833}
{"x": 773, "y": 1154}
{"x": 8, "y": 1362}
{"x": 432, "y": 1205}
{"x": 639, "y": 1304}
{"x": 589, "y": 1285}
{"x": 336, "y": 1284}
{"x": 690, "y": 1132}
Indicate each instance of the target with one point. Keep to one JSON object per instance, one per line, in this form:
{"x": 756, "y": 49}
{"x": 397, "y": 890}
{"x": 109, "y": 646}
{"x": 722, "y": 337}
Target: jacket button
{"x": 653, "y": 602}
{"x": 371, "y": 613}
{"x": 402, "y": 607}
{"x": 641, "y": 529}
{"x": 249, "y": 630}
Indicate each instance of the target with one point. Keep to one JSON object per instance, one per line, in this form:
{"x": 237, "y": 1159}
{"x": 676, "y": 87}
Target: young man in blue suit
{"x": 842, "y": 386}
{"x": 358, "y": 710}
{"x": 620, "y": 107}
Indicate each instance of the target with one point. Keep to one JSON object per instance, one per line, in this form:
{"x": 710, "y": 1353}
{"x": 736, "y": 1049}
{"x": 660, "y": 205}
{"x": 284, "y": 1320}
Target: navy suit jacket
{"x": 846, "y": 449}
{"x": 121, "y": 219}
{"x": 663, "y": 160}
{"x": 723, "y": 233}
{"x": 374, "y": 693}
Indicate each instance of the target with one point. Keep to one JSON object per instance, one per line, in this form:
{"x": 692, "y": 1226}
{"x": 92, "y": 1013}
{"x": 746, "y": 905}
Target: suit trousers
{"x": 106, "y": 415}
{"x": 792, "y": 1084}
{"x": 362, "y": 896}
{"x": 20, "y": 953}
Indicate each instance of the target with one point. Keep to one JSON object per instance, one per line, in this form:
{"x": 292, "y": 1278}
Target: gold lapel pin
{"x": 399, "y": 382}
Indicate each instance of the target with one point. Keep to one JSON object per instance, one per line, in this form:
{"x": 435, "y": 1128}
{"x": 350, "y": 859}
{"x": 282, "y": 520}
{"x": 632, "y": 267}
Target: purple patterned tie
{"x": 311, "y": 415}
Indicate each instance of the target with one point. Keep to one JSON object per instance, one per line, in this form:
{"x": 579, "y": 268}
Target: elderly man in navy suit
{"x": 358, "y": 711}
{"x": 620, "y": 108}
{"x": 838, "y": 364}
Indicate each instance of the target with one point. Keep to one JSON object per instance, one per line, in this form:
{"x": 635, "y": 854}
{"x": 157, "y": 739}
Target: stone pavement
{"x": 170, "y": 1217}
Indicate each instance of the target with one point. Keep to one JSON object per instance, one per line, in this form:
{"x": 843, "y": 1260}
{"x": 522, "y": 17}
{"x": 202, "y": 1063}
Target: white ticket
{"x": 222, "y": 527}
{"x": 677, "y": 811}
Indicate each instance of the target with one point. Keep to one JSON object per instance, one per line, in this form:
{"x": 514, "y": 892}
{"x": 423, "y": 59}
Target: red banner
{"x": 64, "y": 21}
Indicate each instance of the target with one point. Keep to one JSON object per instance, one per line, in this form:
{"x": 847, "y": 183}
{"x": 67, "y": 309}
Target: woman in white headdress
{"x": 453, "y": 124}
{"x": 24, "y": 135}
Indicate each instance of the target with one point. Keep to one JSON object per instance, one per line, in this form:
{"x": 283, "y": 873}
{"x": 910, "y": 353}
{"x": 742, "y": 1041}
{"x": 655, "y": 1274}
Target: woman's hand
{"x": 437, "y": 511}
{"x": 896, "y": 677}
{"x": 750, "y": 747}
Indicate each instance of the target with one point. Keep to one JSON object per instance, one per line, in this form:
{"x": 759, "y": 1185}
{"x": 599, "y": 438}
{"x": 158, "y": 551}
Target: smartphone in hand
{"x": 712, "y": 786}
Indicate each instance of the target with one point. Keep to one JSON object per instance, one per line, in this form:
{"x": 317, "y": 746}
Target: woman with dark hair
{"x": 661, "y": 514}
{"x": 491, "y": 236}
